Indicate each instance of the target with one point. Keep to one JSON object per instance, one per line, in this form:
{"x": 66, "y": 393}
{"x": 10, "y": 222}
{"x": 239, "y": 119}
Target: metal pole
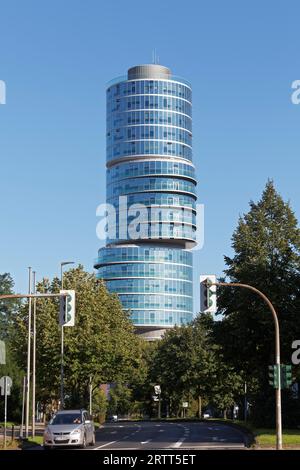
{"x": 23, "y": 407}
{"x": 33, "y": 356}
{"x": 62, "y": 350}
{"x": 5, "y": 409}
{"x": 277, "y": 355}
{"x": 63, "y": 263}
{"x": 28, "y": 357}
{"x": 159, "y": 406}
{"x": 245, "y": 402}
{"x": 90, "y": 395}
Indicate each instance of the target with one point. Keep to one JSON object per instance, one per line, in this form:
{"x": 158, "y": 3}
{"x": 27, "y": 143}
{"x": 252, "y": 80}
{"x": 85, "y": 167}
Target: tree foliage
{"x": 8, "y": 309}
{"x": 101, "y": 346}
{"x": 188, "y": 365}
{"x": 266, "y": 248}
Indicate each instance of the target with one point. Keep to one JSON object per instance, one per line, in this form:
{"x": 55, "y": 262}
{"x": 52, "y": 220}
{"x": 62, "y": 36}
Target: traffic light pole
{"x": 30, "y": 297}
{"x": 277, "y": 354}
{"x": 62, "y": 399}
{"x": 62, "y": 350}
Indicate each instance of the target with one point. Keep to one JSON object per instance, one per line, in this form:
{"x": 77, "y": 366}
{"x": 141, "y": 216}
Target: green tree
{"x": 189, "y": 366}
{"x": 99, "y": 405}
{"x": 8, "y": 307}
{"x": 266, "y": 248}
{"x": 120, "y": 399}
{"x": 8, "y": 310}
{"x": 101, "y": 346}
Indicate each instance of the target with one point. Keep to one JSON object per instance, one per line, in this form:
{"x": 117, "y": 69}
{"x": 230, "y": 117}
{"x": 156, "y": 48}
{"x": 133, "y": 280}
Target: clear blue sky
{"x": 56, "y": 57}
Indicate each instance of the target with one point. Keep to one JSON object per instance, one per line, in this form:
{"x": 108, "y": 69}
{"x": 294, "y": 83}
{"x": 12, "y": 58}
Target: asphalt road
{"x": 168, "y": 435}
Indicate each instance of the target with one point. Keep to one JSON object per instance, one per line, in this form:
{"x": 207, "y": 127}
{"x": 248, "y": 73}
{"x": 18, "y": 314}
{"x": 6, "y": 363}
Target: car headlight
{"x": 76, "y": 432}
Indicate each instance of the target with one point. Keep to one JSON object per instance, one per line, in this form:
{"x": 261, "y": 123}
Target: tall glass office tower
{"x": 150, "y": 177}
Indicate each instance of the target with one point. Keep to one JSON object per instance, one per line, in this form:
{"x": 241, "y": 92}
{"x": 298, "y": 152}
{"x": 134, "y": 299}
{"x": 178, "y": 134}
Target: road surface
{"x": 168, "y": 435}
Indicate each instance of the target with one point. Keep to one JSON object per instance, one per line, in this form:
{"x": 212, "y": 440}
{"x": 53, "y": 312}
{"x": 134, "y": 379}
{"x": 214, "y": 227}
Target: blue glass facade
{"x": 149, "y": 162}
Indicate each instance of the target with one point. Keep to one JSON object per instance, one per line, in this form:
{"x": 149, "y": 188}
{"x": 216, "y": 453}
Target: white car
{"x": 69, "y": 428}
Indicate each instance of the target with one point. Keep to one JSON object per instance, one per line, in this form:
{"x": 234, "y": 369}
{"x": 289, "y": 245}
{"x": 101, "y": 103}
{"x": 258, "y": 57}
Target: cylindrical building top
{"x": 149, "y": 71}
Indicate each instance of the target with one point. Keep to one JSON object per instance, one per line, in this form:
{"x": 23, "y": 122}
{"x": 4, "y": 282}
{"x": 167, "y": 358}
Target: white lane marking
{"x": 177, "y": 444}
{"x": 113, "y": 432}
{"x": 104, "y": 445}
{"x": 161, "y": 430}
{"x": 113, "y": 442}
{"x": 146, "y": 442}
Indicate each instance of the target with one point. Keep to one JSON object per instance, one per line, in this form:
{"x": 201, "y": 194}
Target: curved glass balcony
{"x": 126, "y": 170}
{"x": 149, "y": 254}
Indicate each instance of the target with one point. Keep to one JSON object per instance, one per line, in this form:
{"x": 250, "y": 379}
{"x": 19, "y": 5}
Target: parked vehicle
{"x": 69, "y": 428}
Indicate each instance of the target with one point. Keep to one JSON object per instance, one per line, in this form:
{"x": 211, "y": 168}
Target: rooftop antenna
{"x": 155, "y": 58}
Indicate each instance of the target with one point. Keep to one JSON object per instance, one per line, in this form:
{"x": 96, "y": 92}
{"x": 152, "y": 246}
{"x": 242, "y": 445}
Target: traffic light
{"x": 208, "y": 294}
{"x": 274, "y": 375}
{"x": 286, "y": 376}
{"x": 67, "y": 308}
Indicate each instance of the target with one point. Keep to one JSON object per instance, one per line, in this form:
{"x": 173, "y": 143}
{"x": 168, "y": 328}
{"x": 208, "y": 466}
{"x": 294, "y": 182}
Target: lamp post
{"x": 63, "y": 263}
{"x": 28, "y": 357}
{"x": 33, "y": 356}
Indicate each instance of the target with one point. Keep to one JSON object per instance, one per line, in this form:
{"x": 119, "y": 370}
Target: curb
{"x": 248, "y": 435}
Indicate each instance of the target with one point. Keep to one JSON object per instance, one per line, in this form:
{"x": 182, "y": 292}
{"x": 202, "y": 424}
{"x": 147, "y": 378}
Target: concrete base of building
{"x": 150, "y": 333}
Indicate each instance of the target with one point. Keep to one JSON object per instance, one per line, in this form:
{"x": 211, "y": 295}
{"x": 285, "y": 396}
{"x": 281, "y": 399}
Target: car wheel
{"x": 83, "y": 445}
{"x": 93, "y": 441}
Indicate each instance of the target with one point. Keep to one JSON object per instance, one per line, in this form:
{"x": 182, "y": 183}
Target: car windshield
{"x": 66, "y": 418}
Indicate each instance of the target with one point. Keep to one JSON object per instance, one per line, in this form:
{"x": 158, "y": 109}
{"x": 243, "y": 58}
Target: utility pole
{"x": 277, "y": 353}
{"x": 33, "y": 356}
{"x": 28, "y": 357}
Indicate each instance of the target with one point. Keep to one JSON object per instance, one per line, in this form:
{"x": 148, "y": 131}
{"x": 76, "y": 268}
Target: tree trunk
{"x": 199, "y": 407}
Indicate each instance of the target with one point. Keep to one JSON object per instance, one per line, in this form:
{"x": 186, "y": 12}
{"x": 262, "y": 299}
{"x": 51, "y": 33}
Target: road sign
{"x": 208, "y": 293}
{"x": 2, "y": 353}
{"x": 155, "y": 398}
{"x": 5, "y": 383}
{"x": 157, "y": 389}
{"x": 67, "y": 308}
{"x": 185, "y": 404}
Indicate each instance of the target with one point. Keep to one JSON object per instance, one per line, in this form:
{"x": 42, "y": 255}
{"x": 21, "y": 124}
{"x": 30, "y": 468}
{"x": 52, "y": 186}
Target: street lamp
{"x": 28, "y": 356}
{"x": 63, "y": 263}
{"x": 34, "y": 356}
